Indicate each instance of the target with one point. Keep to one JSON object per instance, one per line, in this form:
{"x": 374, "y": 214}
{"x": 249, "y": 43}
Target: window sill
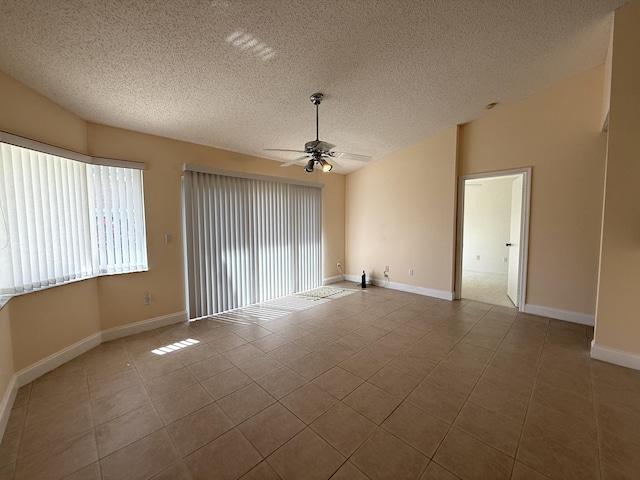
{"x": 3, "y": 301}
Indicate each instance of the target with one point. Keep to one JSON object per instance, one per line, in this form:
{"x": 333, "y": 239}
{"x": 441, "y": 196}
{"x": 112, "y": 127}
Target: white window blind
{"x": 63, "y": 220}
{"x": 249, "y": 240}
{"x": 119, "y": 208}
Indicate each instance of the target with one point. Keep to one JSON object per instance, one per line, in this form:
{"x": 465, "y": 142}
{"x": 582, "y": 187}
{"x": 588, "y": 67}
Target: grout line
{"x": 421, "y": 379}
{"x": 466, "y": 399}
{"x": 535, "y": 381}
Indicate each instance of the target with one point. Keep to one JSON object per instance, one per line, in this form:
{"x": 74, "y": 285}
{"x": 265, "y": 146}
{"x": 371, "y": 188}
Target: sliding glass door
{"x": 248, "y": 239}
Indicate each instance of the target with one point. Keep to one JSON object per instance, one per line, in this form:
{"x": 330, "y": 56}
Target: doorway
{"x": 493, "y": 228}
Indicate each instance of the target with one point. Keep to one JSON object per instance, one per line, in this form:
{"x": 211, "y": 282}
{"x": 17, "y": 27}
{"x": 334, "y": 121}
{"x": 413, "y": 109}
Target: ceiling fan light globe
{"x": 326, "y": 166}
{"x": 309, "y": 166}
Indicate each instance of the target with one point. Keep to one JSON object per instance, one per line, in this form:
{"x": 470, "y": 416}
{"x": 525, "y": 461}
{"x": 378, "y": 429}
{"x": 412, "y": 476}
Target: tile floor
{"x": 380, "y": 384}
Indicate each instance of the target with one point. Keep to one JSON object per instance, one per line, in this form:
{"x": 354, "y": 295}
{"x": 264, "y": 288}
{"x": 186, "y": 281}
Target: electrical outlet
{"x": 411, "y": 272}
{"x": 505, "y": 259}
{"x": 147, "y": 298}
{"x": 386, "y": 269}
{"x": 477, "y": 257}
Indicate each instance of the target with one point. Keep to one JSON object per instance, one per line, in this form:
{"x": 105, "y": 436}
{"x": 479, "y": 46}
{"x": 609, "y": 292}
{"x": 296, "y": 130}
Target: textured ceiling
{"x": 237, "y": 74}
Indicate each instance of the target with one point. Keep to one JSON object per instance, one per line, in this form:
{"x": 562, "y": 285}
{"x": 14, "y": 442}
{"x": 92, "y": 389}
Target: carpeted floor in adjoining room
{"x": 486, "y": 287}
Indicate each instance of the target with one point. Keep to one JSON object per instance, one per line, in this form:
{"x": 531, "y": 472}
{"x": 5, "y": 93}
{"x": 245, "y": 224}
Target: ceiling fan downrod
{"x": 316, "y": 98}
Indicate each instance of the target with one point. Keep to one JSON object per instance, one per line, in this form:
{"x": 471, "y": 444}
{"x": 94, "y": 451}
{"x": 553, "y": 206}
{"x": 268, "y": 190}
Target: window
{"x": 249, "y": 239}
{"x": 119, "y": 216}
{"x": 63, "y": 219}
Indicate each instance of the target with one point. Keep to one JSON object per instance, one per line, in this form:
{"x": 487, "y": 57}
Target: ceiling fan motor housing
{"x": 316, "y": 98}
{"x": 318, "y": 146}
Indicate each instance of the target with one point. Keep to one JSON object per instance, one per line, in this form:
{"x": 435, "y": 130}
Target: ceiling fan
{"x": 316, "y": 151}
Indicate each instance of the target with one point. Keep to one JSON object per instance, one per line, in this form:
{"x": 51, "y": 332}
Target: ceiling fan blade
{"x": 351, "y": 156}
{"x": 325, "y": 146}
{"x": 293, "y": 162}
{"x": 282, "y": 150}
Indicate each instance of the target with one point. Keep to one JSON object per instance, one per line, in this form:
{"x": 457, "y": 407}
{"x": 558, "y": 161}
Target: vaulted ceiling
{"x": 237, "y": 74}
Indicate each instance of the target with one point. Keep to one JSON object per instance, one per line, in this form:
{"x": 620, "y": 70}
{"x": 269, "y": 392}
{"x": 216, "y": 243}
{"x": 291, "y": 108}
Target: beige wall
{"x": 606, "y": 94}
{"x": 6, "y": 352}
{"x": 401, "y": 213}
{"x": 557, "y": 133}
{"x": 45, "y": 322}
{"x": 400, "y": 210}
{"x": 162, "y": 184}
{"x": 617, "y": 319}
{"x": 487, "y": 225}
{"x": 26, "y": 113}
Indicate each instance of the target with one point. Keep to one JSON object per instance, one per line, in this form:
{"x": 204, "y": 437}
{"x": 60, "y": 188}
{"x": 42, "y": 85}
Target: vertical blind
{"x": 46, "y": 239}
{"x": 248, "y": 240}
{"x": 119, "y": 213}
{"x": 63, "y": 220}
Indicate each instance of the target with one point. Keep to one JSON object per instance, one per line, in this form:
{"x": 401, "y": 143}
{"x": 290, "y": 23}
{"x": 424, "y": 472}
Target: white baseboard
{"x": 30, "y": 373}
{"x": 566, "y": 315}
{"x": 618, "y": 357}
{"x": 403, "y": 287}
{"x": 330, "y": 280}
{"x": 6, "y": 404}
{"x": 143, "y": 326}
{"x": 427, "y": 292}
{"x": 36, "y": 370}
{"x": 357, "y": 279}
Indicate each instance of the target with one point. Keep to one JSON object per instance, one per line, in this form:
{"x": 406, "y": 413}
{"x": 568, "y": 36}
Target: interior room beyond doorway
{"x": 491, "y": 231}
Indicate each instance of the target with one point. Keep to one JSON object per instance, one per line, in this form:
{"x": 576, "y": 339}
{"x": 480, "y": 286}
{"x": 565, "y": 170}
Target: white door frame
{"x": 524, "y": 231}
